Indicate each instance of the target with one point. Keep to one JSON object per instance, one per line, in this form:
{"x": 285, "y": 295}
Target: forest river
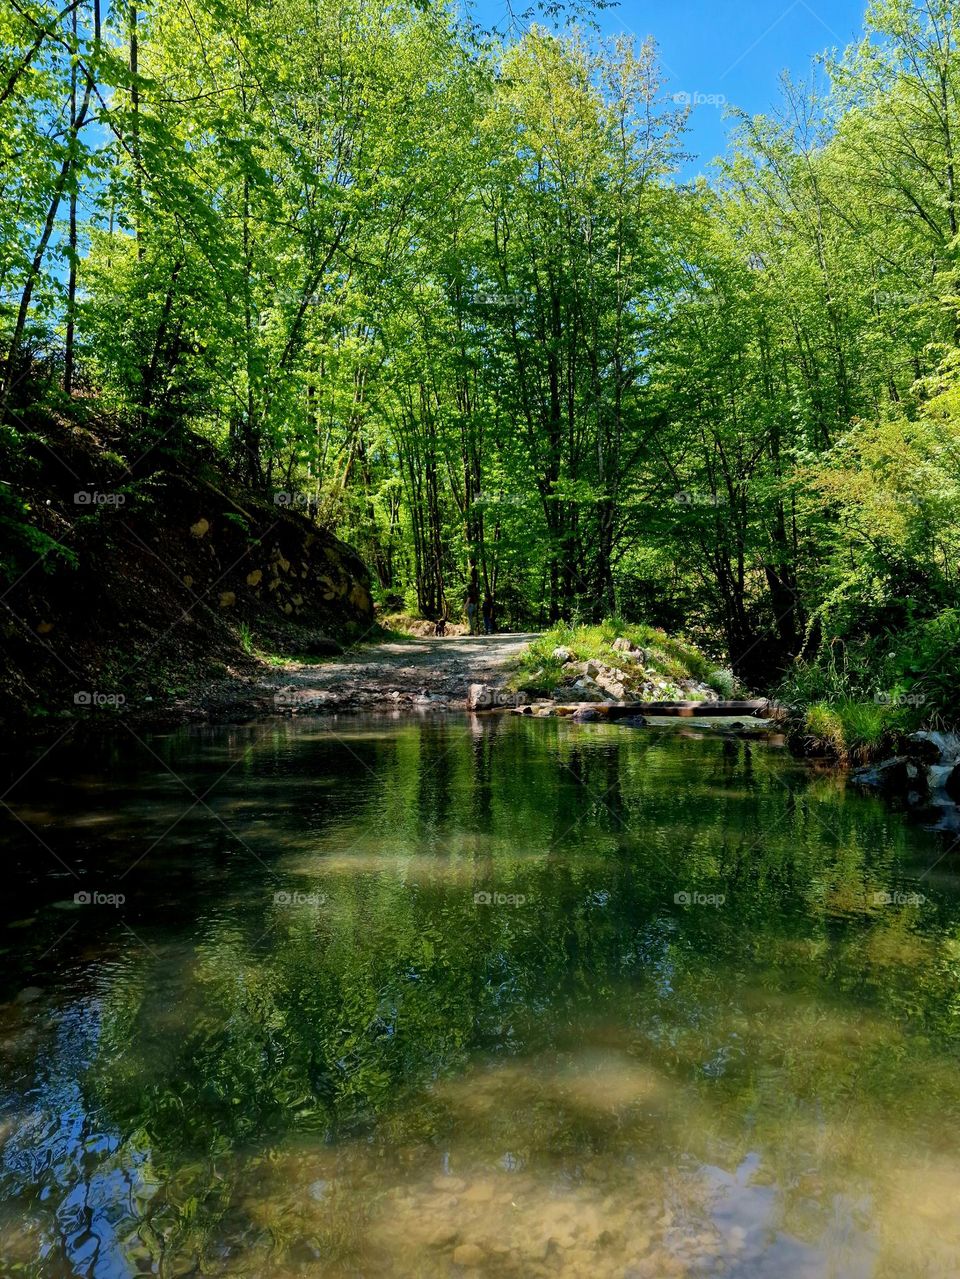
{"x": 461, "y": 996}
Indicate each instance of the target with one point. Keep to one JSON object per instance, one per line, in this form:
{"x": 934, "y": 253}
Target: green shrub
{"x": 853, "y": 730}
{"x": 723, "y": 682}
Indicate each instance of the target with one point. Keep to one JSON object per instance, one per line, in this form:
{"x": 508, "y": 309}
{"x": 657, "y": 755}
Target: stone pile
{"x": 592, "y": 682}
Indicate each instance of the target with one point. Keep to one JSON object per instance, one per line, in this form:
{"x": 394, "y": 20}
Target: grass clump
{"x": 852, "y": 730}
{"x": 666, "y": 657}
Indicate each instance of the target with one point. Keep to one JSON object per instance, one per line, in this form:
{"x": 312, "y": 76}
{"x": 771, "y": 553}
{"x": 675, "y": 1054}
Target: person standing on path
{"x": 472, "y": 610}
{"x": 487, "y": 614}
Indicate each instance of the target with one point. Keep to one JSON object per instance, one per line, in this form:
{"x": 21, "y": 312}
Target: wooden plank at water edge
{"x": 757, "y": 709}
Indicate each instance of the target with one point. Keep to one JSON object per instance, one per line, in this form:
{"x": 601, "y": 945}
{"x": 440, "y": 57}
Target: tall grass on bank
{"x": 854, "y": 731}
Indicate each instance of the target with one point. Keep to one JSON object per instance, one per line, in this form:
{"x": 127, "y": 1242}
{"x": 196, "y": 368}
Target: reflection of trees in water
{"x": 772, "y": 1023}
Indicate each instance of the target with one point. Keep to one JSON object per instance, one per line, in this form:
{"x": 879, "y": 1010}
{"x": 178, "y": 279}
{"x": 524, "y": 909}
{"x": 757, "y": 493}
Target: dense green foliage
{"x": 445, "y": 290}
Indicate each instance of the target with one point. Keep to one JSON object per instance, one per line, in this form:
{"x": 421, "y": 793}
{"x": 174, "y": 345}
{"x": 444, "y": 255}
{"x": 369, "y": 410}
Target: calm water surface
{"x": 446, "y": 998}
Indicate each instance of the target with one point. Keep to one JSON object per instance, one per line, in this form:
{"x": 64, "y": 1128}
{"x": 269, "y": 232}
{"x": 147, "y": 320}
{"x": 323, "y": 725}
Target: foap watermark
{"x": 297, "y": 297}
{"x": 688, "y": 297}
{"x": 95, "y": 898}
{"x": 481, "y": 697}
{"x": 698, "y": 99}
{"x": 485, "y": 898}
{"x": 297, "y": 501}
{"x": 500, "y": 499}
{"x": 897, "y": 898}
{"x": 885, "y": 297}
{"x": 684, "y": 898}
{"x": 296, "y": 898}
{"x": 92, "y": 497}
{"x": 499, "y": 697}
{"x": 900, "y": 699}
{"x": 916, "y": 500}
{"x": 504, "y": 301}
{"x": 697, "y": 497}
{"x": 85, "y": 698}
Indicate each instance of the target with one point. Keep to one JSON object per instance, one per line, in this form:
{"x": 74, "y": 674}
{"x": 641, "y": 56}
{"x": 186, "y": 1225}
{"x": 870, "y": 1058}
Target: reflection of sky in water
{"x": 598, "y": 1082}
{"x": 748, "y": 1216}
{"x": 94, "y": 1187}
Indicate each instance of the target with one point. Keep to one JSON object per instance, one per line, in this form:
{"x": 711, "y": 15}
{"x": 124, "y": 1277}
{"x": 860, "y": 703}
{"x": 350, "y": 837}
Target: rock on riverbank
{"x": 925, "y": 776}
{"x": 590, "y": 687}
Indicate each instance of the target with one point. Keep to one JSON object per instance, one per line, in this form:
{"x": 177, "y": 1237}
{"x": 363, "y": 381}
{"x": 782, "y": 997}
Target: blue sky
{"x": 728, "y": 49}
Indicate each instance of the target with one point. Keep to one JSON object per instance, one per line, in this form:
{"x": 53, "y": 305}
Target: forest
{"x": 479, "y": 623}
{"x": 442, "y": 289}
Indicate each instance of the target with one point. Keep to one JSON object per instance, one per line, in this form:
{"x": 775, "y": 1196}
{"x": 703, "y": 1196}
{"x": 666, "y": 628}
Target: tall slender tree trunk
{"x": 33, "y": 273}
{"x": 134, "y": 58}
{"x": 72, "y": 242}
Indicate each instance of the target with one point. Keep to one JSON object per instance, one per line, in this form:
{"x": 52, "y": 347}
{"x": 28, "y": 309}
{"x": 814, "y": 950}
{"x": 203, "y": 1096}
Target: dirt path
{"x": 415, "y": 672}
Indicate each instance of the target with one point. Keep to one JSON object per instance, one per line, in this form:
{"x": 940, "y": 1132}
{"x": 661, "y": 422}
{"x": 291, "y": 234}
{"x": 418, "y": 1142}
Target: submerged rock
{"x": 443, "y": 1236}
{"x": 891, "y": 776}
{"x": 468, "y": 1254}
{"x": 449, "y": 1185}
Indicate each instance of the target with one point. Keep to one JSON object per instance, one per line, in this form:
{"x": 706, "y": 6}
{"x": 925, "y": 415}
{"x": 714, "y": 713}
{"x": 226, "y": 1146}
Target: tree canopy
{"x": 446, "y": 290}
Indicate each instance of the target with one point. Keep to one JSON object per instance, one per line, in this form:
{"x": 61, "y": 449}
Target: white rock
{"x": 613, "y": 687}
{"x": 480, "y": 696}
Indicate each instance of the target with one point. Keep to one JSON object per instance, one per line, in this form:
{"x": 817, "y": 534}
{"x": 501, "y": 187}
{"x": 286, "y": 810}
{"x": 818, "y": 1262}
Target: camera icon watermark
{"x": 684, "y": 98}
{"x": 87, "y": 698}
{"x": 688, "y": 297}
{"x": 684, "y": 898}
{"x": 95, "y": 898}
{"x": 297, "y": 898}
{"x": 900, "y": 699}
{"x": 886, "y": 297}
{"x": 897, "y": 898}
{"x": 91, "y": 497}
{"x": 500, "y": 499}
{"x": 697, "y": 497}
{"x": 484, "y": 898}
{"x": 503, "y": 301}
{"x": 296, "y": 501}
